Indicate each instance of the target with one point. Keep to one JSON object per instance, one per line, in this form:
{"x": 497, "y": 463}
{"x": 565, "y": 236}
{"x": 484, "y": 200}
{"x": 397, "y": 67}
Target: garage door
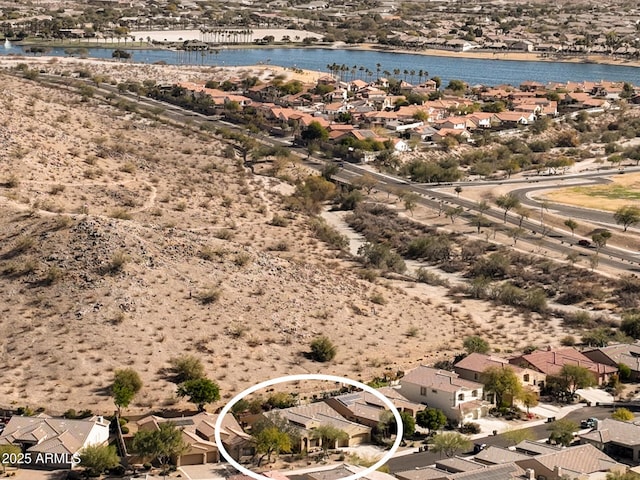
{"x": 192, "y": 459}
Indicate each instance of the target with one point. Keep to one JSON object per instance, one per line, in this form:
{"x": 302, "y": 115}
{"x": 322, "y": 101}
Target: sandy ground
{"x": 117, "y": 72}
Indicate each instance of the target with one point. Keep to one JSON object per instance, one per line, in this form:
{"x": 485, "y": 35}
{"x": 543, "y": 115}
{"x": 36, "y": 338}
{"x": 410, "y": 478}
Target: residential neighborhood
{"x": 318, "y": 240}
{"x": 355, "y": 420}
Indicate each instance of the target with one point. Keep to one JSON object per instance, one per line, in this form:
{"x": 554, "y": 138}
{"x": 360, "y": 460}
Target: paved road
{"x": 423, "y": 459}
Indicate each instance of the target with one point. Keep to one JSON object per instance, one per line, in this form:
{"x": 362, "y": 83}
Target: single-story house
{"x": 613, "y": 355}
{"x": 305, "y": 418}
{"x": 581, "y": 462}
{"x": 198, "y": 433}
{"x": 366, "y": 409}
{"x": 621, "y": 439}
{"x": 54, "y": 443}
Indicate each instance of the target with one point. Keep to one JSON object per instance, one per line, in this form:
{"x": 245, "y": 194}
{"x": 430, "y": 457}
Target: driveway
{"x": 595, "y": 396}
{"x": 209, "y": 471}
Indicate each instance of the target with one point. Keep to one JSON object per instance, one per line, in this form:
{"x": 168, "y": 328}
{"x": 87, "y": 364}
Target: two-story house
{"x": 458, "y": 398}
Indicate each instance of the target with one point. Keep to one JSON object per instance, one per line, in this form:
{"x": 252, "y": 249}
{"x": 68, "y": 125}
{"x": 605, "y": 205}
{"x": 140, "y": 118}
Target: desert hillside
{"x": 125, "y": 242}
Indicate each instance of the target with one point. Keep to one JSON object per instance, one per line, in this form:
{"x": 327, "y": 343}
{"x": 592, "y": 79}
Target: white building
{"x": 459, "y": 399}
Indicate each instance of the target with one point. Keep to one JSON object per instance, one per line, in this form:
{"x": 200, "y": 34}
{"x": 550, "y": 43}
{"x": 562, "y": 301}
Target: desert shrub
{"x": 120, "y": 214}
{"x": 210, "y": 295}
{"x": 496, "y": 265}
{"x": 381, "y": 256}
{"x": 322, "y": 349}
{"x": 326, "y": 233}
{"x": 430, "y": 278}
{"x": 186, "y": 367}
{"x": 224, "y": 234}
{"x": 281, "y": 246}
{"x": 378, "y": 299}
{"x": 432, "y": 248}
{"x": 279, "y": 221}
{"x": 242, "y": 259}
{"x": 470, "y": 428}
{"x": 568, "y": 341}
{"x": 117, "y": 262}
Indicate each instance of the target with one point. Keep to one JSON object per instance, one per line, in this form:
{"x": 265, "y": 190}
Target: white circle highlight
{"x": 303, "y": 377}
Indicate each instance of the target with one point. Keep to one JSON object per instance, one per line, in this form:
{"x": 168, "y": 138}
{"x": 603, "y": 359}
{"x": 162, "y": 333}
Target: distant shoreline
{"x": 471, "y": 54}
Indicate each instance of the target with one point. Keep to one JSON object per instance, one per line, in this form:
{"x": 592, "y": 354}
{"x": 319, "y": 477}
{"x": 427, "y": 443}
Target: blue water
{"x": 472, "y": 71}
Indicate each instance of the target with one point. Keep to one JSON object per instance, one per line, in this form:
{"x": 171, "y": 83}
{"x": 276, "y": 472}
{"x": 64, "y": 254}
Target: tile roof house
{"x": 365, "y": 408}
{"x": 624, "y": 353}
{"x": 615, "y": 437}
{"x": 508, "y": 471}
{"x": 305, "y": 418}
{"x": 345, "y": 470}
{"x": 581, "y": 462}
{"x": 458, "y": 398}
{"x": 550, "y": 362}
{"x": 493, "y": 455}
{"x": 52, "y": 442}
{"x": 473, "y": 365}
{"x": 198, "y": 433}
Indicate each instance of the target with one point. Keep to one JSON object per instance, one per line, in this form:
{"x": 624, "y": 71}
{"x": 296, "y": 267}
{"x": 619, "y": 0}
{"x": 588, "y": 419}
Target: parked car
{"x": 588, "y": 423}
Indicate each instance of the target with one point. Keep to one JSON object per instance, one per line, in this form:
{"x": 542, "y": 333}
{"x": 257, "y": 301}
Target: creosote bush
{"x": 322, "y": 349}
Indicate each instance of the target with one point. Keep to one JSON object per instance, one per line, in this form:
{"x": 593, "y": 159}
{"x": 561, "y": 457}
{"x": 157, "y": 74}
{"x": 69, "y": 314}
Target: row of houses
{"x": 355, "y": 108}
{"x": 460, "y": 394}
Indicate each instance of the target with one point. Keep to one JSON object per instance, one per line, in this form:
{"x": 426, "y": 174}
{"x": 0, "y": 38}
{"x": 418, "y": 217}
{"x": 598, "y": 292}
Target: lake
{"x": 472, "y": 71}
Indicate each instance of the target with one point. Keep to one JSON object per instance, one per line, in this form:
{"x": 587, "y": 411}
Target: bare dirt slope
{"x": 125, "y": 242}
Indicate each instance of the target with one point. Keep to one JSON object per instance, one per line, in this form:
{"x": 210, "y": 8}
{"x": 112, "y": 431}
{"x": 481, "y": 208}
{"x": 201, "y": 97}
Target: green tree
{"x": 507, "y": 202}
{"x": 5, "y": 455}
{"x": 200, "y": 391}
{"x": 529, "y": 398}
{"x": 98, "y": 458}
{"x": 271, "y": 441}
{"x": 410, "y": 200}
{"x": 624, "y": 371}
{"x": 576, "y": 377}
{"x": 366, "y": 182}
{"x": 314, "y": 132}
{"x": 627, "y": 216}
{"x": 631, "y": 325}
{"x": 408, "y": 424}
{"x": 449, "y": 443}
{"x": 600, "y": 239}
{"x": 162, "y": 444}
{"x": 475, "y": 344}
{"x": 571, "y": 225}
{"x": 126, "y": 384}
{"x": 186, "y": 367}
{"x": 562, "y": 432}
{"x": 503, "y": 382}
{"x": 453, "y": 213}
{"x": 328, "y": 436}
{"x": 623, "y": 414}
{"x": 431, "y": 418}
{"x": 323, "y": 349}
